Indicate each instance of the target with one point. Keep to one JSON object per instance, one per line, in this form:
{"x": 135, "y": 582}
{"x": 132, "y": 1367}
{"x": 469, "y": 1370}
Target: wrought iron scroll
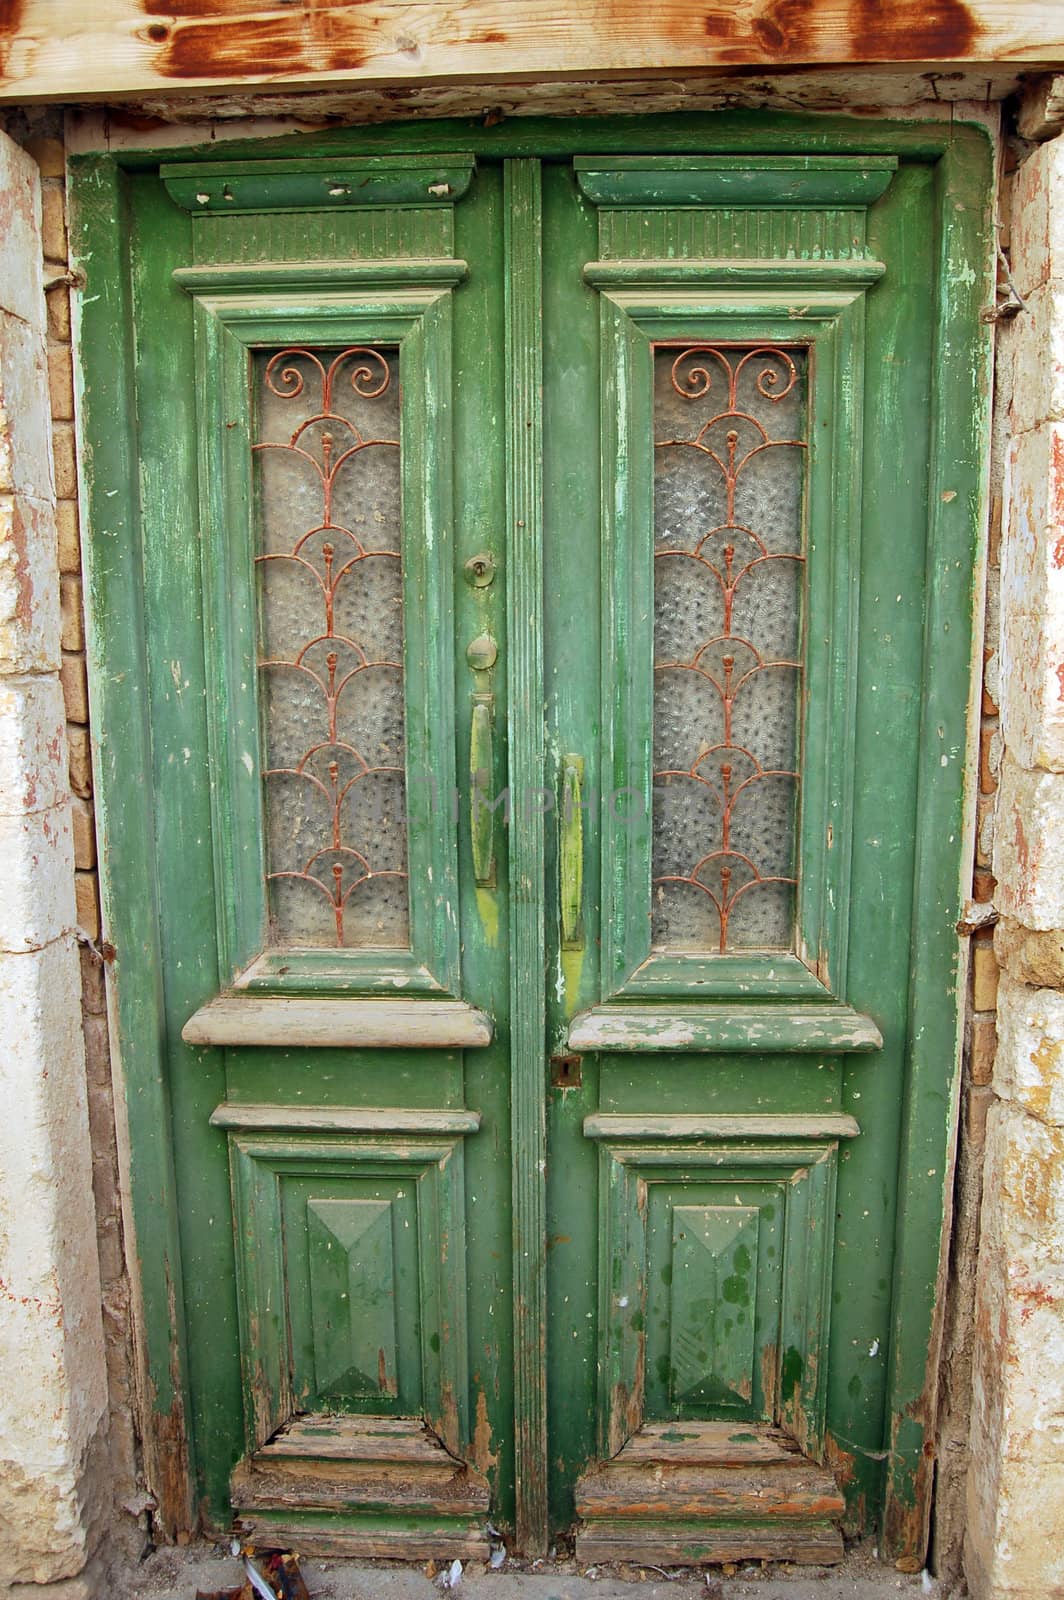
{"x": 728, "y": 670}
{"x": 331, "y": 654}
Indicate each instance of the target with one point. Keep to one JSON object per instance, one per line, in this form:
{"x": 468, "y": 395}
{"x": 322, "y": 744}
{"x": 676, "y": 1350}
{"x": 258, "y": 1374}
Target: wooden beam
{"x": 115, "y": 49}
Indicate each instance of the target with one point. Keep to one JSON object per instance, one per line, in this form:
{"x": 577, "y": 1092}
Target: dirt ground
{"x": 173, "y": 1574}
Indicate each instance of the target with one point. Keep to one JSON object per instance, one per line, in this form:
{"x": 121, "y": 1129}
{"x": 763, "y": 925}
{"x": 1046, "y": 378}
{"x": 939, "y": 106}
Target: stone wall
{"x": 1014, "y": 1536}
{"x": 53, "y": 1398}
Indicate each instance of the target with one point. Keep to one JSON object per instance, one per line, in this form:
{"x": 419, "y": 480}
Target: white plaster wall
{"x": 53, "y": 1393}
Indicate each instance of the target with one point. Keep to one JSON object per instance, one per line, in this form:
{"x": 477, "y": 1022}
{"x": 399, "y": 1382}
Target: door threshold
{"x": 682, "y": 1493}
{"x": 379, "y": 1487}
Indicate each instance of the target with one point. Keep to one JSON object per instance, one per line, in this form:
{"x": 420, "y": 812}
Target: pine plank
{"x": 63, "y": 48}
{"x": 691, "y": 1544}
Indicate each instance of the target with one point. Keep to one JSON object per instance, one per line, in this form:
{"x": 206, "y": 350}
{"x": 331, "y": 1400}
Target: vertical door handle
{"x": 481, "y": 772}
{"x": 571, "y": 852}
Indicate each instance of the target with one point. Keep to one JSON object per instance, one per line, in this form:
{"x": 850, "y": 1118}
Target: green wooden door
{"x": 532, "y": 812}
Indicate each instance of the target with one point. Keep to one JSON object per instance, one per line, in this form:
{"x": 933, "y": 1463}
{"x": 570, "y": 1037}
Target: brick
{"x": 72, "y": 618}
{"x": 981, "y": 1048}
{"x": 983, "y": 885}
{"x": 88, "y": 909}
{"x": 977, "y": 1105}
{"x": 990, "y": 705}
{"x": 84, "y": 828}
{"x": 65, "y": 458}
{"x": 985, "y": 823}
{"x": 93, "y": 991}
{"x": 57, "y": 306}
{"x": 80, "y": 761}
{"x": 69, "y": 536}
{"x": 97, "y": 1055}
{"x": 984, "y": 977}
{"x": 60, "y": 382}
{"x": 987, "y": 760}
{"x": 53, "y": 222}
{"x": 75, "y": 683}
{"x": 49, "y": 155}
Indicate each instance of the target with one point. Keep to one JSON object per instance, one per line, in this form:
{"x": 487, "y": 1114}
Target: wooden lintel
{"x": 67, "y": 49}
{"x": 274, "y": 1019}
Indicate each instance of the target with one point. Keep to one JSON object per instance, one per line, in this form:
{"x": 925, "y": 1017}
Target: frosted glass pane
{"x": 729, "y": 435}
{"x": 328, "y": 500}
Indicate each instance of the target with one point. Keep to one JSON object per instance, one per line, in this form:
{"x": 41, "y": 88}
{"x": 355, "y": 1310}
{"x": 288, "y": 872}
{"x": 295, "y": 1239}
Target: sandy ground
{"x": 173, "y": 1574}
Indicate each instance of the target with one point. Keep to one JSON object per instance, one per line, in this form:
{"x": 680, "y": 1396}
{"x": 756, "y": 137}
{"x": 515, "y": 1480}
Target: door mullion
{"x": 524, "y": 473}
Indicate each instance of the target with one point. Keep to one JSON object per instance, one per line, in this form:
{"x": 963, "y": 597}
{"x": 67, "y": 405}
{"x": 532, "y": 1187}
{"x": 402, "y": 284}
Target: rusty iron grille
{"x": 330, "y": 657}
{"x": 728, "y": 562}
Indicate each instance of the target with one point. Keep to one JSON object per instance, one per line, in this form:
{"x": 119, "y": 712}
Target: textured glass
{"x": 331, "y": 646}
{"x": 728, "y": 488}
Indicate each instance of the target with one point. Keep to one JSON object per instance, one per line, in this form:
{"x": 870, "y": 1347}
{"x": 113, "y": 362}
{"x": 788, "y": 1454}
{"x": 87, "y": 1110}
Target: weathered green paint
{"x": 524, "y": 542}
{"x": 838, "y": 182}
{"x": 332, "y": 185}
{"x": 571, "y": 852}
{"x": 526, "y": 333}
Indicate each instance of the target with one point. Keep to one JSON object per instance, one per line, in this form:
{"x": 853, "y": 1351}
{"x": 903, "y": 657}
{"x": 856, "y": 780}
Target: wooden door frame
{"x": 961, "y": 158}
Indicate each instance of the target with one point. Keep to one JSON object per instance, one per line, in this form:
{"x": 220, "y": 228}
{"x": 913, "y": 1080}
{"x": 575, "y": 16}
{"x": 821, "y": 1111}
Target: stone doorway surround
{"x": 59, "y": 1463}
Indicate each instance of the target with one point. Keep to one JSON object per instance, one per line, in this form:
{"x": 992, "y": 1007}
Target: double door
{"x": 532, "y": 591}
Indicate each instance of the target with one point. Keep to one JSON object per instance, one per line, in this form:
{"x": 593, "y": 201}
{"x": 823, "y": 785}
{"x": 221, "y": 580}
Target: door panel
{"x": 414, "y": 440}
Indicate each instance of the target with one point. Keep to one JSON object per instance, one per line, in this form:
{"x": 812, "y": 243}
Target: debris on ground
{"x": 269, "y": 1575}
{"x": 451, "y": 1576}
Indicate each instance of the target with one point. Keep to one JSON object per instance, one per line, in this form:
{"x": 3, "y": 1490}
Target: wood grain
{"x": 58, "y": 48}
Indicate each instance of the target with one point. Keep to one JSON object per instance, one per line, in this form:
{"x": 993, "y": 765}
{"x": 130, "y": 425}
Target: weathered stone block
{"x": 1037, "y": 218}
{"x": 1029, "y": 1067}
{"x": 32, "y": 745}
{"x": 58, "y": 313}
{"x": 51, "y": 1334}
{"x": 1031, "y": 669}
{"x": 37, "y": 905}
{"x": 1029, "y": 846}
{"x": 1036, "y": 359}
{"x": 20, "y": 235}
{"x": 29, "y": 588}
{"x": 25, "y": 452}
{"x": 1031, "y": 957}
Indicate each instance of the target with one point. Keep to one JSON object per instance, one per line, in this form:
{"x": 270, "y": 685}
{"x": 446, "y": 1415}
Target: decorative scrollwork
{"x": 726, "y": 672}
{"x": 341, "y": 686}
